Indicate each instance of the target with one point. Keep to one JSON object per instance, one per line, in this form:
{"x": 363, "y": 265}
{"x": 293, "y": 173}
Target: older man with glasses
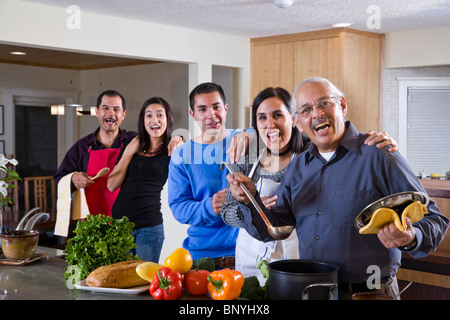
{"x": 328, "y": 185}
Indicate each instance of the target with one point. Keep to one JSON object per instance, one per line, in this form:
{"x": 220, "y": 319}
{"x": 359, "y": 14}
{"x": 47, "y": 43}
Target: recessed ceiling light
{"x": 18, "y": 53}
{"x": 283, "y": 3}
{"x": 342, "y": 25}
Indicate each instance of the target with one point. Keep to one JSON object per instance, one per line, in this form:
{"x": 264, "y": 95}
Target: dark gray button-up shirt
{"x": 323, "y": 199}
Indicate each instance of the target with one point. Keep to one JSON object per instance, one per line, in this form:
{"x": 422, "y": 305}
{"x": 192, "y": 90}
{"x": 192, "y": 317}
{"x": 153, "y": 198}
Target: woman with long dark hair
{"x": 280, "y": 142}
{"x": 141, "y": 171}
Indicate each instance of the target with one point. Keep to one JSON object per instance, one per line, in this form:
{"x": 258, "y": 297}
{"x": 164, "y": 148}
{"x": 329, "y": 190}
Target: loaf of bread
{"x": 117, "y": 275}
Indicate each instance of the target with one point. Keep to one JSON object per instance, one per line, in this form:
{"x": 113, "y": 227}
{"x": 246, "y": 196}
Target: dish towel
{"x": 384, "y": 215}
{"x": 64, "y": 206}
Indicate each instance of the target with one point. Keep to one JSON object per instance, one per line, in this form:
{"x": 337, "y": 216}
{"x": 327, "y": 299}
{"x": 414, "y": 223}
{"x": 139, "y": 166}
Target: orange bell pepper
{"x": 225, "y": 284}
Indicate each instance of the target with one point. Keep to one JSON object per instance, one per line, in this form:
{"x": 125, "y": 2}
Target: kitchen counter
{"x": 43, "y": 280}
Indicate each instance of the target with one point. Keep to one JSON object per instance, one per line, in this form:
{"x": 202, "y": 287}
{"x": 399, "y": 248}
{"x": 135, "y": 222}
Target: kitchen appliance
{"x": 298, "y": 279}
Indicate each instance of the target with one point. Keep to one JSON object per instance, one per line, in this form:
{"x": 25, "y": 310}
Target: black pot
{"x": 298, "y": 279}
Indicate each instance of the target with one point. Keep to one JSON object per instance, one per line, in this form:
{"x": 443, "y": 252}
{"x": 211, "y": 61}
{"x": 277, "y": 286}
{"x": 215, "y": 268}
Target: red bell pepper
{"x": 167, "y": 284}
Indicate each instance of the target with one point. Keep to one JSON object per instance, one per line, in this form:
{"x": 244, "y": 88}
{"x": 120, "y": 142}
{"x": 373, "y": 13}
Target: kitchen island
{"x": 43, "y": 280}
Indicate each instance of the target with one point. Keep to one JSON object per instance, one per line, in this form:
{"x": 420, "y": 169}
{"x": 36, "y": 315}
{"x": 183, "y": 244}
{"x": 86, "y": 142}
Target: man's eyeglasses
{"x": 323, "y": 104}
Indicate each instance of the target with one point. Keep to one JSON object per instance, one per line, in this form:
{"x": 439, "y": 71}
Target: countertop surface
{"x": 43, "y": 280}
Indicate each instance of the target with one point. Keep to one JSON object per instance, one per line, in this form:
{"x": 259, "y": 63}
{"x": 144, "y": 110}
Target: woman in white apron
{"x": 282, "y": 142}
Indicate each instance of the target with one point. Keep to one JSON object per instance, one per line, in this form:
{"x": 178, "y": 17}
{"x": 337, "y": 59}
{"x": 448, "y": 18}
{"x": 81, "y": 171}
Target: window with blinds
{"x": 428, "y": 130}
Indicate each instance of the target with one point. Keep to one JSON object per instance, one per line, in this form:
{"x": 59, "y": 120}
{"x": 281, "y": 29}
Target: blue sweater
{"x": 194, "y": 177}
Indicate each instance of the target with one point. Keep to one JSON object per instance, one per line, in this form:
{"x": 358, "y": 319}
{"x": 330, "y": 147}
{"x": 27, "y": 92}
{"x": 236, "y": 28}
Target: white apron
{"x": 249, "y": 250}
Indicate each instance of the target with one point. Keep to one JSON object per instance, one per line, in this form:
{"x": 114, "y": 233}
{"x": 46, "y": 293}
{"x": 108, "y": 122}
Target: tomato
{"x": 196, "y": 282}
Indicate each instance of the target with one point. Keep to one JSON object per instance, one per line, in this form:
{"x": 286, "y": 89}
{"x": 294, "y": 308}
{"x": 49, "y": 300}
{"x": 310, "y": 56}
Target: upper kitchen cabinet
{"x": 350, "y": 59}
{"x": 272, "y": 65}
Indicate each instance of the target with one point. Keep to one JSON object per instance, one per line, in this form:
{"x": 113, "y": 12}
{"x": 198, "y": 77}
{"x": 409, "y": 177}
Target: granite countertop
{"x": 43, "y": 280}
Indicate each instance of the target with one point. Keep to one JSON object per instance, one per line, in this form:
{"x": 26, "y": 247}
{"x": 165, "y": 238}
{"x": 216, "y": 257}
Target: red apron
{"x": 99, "y": 199}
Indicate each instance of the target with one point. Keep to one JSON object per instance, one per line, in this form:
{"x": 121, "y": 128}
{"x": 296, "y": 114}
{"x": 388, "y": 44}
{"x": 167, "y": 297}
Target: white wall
{"x": 418, "y": 53}
{"x": 137, "y": 84}
{"x": 28, "y": 80}
{"x": 30, "y": 24}
{"x": 46, "y": 27}
{"x": 429, "y": 47}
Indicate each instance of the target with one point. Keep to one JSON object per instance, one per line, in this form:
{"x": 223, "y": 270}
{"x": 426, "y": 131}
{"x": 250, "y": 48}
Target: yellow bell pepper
{"x": 147, "y": 270}
{"x": 180, "y": 260}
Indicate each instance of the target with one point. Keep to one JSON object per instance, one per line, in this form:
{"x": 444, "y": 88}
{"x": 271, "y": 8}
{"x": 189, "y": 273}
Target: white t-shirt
{"x": 327, "y": 155}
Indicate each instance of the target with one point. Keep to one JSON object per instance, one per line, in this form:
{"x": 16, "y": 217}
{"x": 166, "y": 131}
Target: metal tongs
{"x": 279, "y": 233}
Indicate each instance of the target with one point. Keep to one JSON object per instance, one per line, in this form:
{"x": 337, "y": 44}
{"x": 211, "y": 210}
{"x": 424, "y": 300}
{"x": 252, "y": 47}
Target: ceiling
{"x": 257, "y": 18}
{"x": 248, "y": 18}
{"x": 63, "y": 59}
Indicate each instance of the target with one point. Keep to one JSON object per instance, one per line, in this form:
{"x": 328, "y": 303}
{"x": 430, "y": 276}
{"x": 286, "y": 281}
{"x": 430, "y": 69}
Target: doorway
{"x": 36, "y": 141}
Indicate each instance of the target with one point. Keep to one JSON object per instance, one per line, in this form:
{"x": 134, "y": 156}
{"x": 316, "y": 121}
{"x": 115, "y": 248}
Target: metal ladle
{"x": 279, "y": 233}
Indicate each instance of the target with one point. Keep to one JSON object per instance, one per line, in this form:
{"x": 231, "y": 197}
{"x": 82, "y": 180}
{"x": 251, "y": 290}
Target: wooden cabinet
{"x": 317, "y": 58}
{"x": 272, "y": 66}
{"x": 348, "y": 58}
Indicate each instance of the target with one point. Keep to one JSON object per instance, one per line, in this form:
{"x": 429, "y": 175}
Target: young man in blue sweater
{"x": 197, "y": 185}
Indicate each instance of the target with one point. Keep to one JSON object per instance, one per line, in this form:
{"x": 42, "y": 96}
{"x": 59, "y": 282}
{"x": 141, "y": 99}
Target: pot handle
{"x": 332, "y": 286}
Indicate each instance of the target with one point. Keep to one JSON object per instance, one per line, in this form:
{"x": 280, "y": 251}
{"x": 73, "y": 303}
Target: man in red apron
{"x": 96, "y": 151}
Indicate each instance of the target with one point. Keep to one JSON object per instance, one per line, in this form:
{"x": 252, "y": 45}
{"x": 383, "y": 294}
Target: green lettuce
{"x": 99, "y": 241}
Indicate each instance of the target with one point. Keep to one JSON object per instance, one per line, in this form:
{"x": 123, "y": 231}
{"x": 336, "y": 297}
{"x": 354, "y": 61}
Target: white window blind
{"x": 428, "y": 130}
